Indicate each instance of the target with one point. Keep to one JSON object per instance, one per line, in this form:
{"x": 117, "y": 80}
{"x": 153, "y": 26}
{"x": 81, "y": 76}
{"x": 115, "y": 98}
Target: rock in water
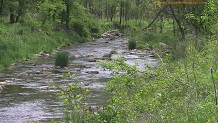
{"x": 91, "y": 60}
{"x": 163, "y": 45}
{"x": 111, "y": 34}
{"x": 92, "y": 72}
{"x": 44, "y": 87}
{"x": 77, "y": 56}
{"x": 30, "y": 121}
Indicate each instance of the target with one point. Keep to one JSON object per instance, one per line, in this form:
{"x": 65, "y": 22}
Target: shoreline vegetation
{"x": 182, "y": 89}
{"x": 22, "y": 42}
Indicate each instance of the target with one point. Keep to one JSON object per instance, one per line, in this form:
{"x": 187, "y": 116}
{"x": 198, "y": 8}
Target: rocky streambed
{"x": 24, "y": 87}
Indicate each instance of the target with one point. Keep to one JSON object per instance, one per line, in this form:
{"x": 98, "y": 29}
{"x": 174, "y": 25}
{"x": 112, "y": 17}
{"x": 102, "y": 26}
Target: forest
{"x": 182, "y": 37}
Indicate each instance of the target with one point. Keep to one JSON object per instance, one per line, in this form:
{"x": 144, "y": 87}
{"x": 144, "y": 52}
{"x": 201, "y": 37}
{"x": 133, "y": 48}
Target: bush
{"x": 80, "y": 28}
{"x": 73, "y": 99}
{"x": 105, "y": 26}
{"x": 132, "y": 44}
{"x": 110, "y": 53}
{"x": 82, "y": 40}
{"x": 93, "y": 26}
{"x": 62, "y": 59}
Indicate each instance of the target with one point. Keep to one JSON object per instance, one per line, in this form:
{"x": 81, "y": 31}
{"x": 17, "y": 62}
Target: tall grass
{"x": 16, "y": 46}
{"x": 20, "y": 41}
{"x": 131, "y": 44}
{"x": 62, "y": 59}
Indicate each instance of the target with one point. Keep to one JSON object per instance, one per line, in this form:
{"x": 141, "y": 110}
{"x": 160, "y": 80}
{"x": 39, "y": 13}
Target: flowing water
{"x": 24, "y": 92}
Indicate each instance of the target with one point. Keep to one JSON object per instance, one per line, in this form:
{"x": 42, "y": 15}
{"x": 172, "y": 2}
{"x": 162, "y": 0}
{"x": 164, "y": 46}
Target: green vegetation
{"x": 178, "y": 91}
{"x": 131, "y": 44}
{"x": 108, "y": 55}
{"x": 73, "y": 99}
{"x": 62, "y": 59}
{"x": 43, "y": 26}
{"x": 19, "y": 42}
{"x": 182, "y": 89}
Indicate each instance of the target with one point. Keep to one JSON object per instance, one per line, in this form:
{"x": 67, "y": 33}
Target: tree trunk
{"x": 178, "y": 22}
{"x": 20, "y": 10}
{"x": 125, "y": 12}
{"x": 111, "y": 17}
{"x": 1, "y": 7}
{"x": 67, "y": 17}
{"x": 112, "y": 11}
{"x": 161, "y": 24}
{"x": 192, "y": 29}
{"x": 155, "y": 17}
{"x": 101, "y": 9}
{"x": 106, "y": 11}
{"x": 121, "y": 12}
{"x": 12, "y": 16}
{"x": 91, "y": 7}
{"x": 174, "y": 28}
{"x": 17, "y": 18}
{"x": 86, "y": 4}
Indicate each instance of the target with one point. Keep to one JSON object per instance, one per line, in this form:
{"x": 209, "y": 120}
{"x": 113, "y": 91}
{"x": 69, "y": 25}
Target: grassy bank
{"x": 19, "y": 42}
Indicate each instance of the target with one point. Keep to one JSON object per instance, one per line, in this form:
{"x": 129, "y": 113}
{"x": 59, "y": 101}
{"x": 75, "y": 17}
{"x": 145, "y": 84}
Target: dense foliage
{"x": 182, "y": 89}
{"x": 29, "y": 27}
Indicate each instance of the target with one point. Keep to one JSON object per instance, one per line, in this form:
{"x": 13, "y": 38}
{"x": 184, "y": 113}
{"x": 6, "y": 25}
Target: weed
{"x": 62, "y": 59}
{"x": 131, "y": 44}
{"x": 110, "y": 53}
{"x": 73, "y": 98}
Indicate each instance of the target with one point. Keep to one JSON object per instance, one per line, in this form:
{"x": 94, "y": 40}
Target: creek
{"x": 24, "y": 92}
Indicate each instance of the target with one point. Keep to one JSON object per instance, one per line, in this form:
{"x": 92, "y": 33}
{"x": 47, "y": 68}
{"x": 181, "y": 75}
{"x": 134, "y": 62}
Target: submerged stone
{"x": 91, "y": 60}
{"x": 92, "y": 72}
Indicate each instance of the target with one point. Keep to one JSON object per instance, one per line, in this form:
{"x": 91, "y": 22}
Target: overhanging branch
{"x": 156, "y": 17}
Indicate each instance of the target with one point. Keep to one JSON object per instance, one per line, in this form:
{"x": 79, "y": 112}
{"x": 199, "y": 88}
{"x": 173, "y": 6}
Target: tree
{"x": 111, "y": 9}
{"x": 50, "y": 10}
{"x": 15, "y": 8}
{"x": 68, "y": 4}
{"x": 124, "y": 6}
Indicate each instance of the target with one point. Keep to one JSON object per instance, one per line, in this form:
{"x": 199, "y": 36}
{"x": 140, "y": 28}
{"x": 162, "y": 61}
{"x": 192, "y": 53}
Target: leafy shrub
{"x": 73, "y": 99}
{"x": 110, "y": 53}
{"x": 94, "y": 30}
{"x": 93, "y": 26}
{"x": 113, "y": 52}
{"x": 3, "y": 46}
{"x": 105, "y": 26}
{"x": 80, "y": 28}
{"x": 62, "y": 59}
{"x": 131, "y": 44}
{"x": 82, "y": 40}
